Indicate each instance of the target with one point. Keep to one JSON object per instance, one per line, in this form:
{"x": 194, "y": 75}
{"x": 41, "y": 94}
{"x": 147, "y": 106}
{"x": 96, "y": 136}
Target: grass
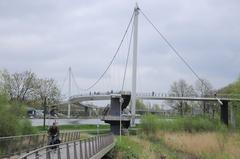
{"x": 76, "y": 127}
{"x": 138, "y": 147}
{"x": 180, "y": 138}
{"x": 151, "y": 124}
{"x": 207, "y": 145}
{"x": 178, "y": 145}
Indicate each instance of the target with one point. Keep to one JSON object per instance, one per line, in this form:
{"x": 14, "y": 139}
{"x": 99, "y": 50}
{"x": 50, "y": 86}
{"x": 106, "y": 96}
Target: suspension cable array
{"x": 111, "y": 62}
{"x": 126, "y": 63}
{"x": 174, "y": 50}
{"x": 162, "y": 36}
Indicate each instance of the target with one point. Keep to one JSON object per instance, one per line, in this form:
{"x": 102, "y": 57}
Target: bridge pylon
{"x": 113, "y": 116}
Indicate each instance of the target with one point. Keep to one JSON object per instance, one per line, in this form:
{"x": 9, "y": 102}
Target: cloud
{"x": 49, "y": 36}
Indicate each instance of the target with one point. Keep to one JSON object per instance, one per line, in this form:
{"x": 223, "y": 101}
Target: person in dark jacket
{"x": 53, "y": 130}
{"x": 53, "y": 133}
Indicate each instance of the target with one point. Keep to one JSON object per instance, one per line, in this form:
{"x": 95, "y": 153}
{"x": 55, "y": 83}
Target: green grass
{"x": 126, "y": 148}
{"x": 150, "y": 124}
{"x": 76, "y": 127}
{"x": 138, "y": 147}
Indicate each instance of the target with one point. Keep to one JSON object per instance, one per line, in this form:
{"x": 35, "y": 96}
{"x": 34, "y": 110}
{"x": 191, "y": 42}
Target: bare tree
{"x": 204, "y": 89}
{"x": 18, "y": 85}
{"x": 26, "y": 87}
{"x": 47, "y": 89}
{"x": 181, "y": 89}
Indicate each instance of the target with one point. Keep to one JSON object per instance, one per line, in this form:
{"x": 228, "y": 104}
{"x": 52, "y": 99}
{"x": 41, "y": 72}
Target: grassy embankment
{"x": 180, "y": 138}
{"x": 88, "y": 128}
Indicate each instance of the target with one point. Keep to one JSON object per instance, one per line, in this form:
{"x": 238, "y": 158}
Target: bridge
{"x": 98, "y": 146}
{"x": 117, "y": 117}
{"x": 91, "y": 148}
{"x": 73, "y": 146}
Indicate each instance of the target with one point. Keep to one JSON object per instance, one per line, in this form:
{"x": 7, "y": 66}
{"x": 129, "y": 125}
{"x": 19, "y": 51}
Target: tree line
{"x": 27, "y": 87}
{"x": 181, "y": 88}
{"x": 201, "y": 88}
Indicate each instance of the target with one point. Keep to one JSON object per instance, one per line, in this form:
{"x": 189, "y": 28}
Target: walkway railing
{"x": 157, "y": 94}
{"x": 13, "y": 145}
{"x": 89, "y": 148}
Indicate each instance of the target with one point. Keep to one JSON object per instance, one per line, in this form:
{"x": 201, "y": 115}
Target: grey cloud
{"x": 49, "y": 36}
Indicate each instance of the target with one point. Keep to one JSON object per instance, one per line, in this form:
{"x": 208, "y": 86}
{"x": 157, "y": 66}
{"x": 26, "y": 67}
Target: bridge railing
{"x": 157, "y": 94}
{"x": 13, "y": 145}
{"x": 93, "y": 147}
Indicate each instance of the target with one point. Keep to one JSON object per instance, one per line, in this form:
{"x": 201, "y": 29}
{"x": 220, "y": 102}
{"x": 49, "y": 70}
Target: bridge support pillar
{"x": 112, "y": 115}
{"x": 224, "y": 112}
{"x": 86, "y": 111}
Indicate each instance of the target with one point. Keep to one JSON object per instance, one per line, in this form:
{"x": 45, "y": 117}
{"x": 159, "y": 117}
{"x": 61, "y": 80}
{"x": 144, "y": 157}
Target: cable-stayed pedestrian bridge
{"x": 98, "y": 146}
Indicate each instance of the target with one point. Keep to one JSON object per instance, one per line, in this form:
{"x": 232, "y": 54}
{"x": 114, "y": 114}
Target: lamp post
{"x": 44, "y": 112}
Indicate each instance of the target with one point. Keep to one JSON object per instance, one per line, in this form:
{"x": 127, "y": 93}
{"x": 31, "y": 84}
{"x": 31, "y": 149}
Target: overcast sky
{"x": 47, "y": 37}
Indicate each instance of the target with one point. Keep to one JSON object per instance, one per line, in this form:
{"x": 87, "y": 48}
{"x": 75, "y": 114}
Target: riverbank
{"x": 178, "y": 145}
{"x": 181, "y": 138}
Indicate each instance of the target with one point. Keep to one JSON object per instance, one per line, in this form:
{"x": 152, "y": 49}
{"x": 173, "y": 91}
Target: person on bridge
{"x": 53, "y": 133}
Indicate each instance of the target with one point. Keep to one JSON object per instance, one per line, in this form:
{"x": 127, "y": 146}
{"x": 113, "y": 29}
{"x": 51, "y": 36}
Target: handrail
{"x": 88, "y": 148}
{"x": 27, "y": 135}
{"x": 13, "y": 145}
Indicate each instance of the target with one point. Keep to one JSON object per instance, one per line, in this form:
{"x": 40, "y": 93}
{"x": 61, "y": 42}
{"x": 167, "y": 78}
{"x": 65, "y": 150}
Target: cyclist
{"x": 53, "y": 133}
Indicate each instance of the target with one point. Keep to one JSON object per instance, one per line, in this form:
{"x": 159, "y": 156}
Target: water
{"x": 38, "y": 122}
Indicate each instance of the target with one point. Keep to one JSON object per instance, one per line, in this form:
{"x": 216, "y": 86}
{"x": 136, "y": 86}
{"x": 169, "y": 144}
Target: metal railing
{"x": 93, "y": 147}
{"x": 15, "y": 145}
{"x": 158, "y": 94}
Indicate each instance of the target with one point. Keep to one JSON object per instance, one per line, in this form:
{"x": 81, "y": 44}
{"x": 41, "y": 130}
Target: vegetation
{"x": 138, "y": 147}
{"x": 150, "y": 124}
{"x": 178, "y": 145}
{"x": 28, "y": 88}
{"x": 77, "y": 127}
{"x": 12, "y": 119}
{"x": 233, "y": 90}
{"x": 207, "y": 145}
{"x": 126, "y": 148}
{"x": 201, "y": 88}
{"x": 196, "y": 137}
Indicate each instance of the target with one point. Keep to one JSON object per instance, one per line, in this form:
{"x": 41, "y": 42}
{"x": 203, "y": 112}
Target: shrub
{"x": 25, "y": 127}
{"x": 12, "y": 121}
{"x": 126, "y": 148}
{"x": 149, "y": 124}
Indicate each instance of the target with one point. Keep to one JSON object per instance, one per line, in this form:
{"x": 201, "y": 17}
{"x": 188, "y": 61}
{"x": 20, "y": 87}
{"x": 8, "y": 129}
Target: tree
{"x": 203, "y": 89}
{"x": 156, "y": 107}
{"x": 140, "y": 105}
{"x": 46, "y": 89}
{"x": 181, "y": 89}
{"x": 12, "y": 120}
{"x": 26, "y": 87}
{"x": 18, "y": 86}
{"x": 233, "y": 91}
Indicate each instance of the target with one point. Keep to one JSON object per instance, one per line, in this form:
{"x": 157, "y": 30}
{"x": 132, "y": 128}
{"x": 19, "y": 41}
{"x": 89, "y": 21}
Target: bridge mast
{"x": 69, "y": 91}
{"x": 134, "y": 65}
